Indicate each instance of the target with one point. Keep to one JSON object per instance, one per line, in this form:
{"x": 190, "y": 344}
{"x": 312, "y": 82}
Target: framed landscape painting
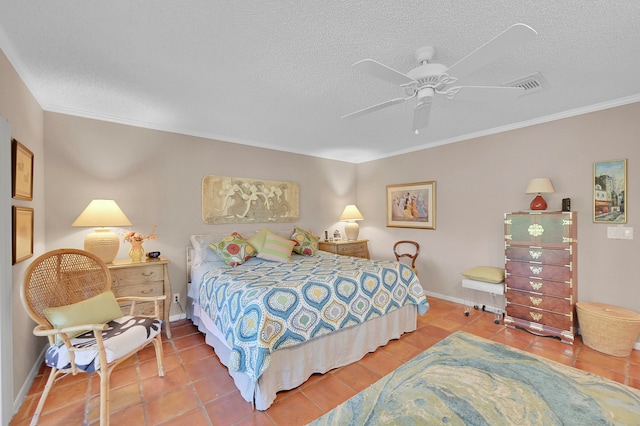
{"x": 610, "y": 191}
{"x": 412, "y": 205}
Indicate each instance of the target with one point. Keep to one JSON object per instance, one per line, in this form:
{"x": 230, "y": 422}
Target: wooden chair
{"x": 65, "y": 283}
{"x": 409, "y": 249}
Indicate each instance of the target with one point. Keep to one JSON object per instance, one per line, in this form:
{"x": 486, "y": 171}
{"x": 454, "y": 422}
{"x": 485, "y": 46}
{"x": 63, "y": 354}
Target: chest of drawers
{"x": 358, "y": 248}
{"x": 541, "y": 272}
{"x": 144, "y": 278}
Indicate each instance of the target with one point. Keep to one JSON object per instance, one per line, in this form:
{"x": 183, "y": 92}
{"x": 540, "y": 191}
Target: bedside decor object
{"x": 21, "y": 171}
{"x": 136, "y": 239}
{"x": 539, "y": 186}
{"x": 243, "y": 200}
{"x": 412, "y": 205}
{"x": 351, "y": 215}
{"x": 610, "y": 191}
{"x": 100, "y": 214}
{"x": 22, "y": 233}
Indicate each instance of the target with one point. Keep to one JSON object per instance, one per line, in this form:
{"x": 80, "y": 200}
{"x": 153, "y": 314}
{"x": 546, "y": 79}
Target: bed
{"x": 274, "y": 324}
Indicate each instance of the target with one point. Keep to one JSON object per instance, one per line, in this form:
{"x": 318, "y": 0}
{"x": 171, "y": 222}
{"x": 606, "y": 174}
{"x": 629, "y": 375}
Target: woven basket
{"x": 608, "y": 329}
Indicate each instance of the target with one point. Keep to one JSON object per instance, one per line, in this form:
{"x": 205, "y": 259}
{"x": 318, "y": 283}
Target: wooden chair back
{"x": 408, "y": 249}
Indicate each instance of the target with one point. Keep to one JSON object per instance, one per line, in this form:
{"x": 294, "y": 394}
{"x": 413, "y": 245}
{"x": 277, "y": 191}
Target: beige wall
{"x": 479, "y": 180}
{"x": 156, "y": 179}
{"x": 25, "y": 119}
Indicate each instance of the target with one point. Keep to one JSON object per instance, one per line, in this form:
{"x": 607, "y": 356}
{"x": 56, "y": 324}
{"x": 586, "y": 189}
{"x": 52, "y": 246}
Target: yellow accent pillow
{"x": 489, "y": 274}
{"x": 98, "y": 309}
{"x": 257, "y": 239}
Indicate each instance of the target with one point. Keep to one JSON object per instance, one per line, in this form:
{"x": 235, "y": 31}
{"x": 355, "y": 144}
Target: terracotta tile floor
{"x": 197, "y": 390}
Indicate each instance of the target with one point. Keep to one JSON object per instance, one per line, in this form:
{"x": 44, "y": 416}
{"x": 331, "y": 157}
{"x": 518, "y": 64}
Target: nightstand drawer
{"x": 350, "y": 249}
{"x": 135, "y": 276}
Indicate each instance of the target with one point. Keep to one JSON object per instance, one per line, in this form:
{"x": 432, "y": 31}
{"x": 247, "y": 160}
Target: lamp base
{"x": 351, "y": 230}
{"x": 538, "y": 203}
{"x": 103, "y": 243}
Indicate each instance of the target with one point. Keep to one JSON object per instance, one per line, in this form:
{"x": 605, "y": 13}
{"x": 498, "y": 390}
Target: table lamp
{"x": 100, "y": 214}
{"x": 539, "y": 186}
{"x": 350, "y": 215}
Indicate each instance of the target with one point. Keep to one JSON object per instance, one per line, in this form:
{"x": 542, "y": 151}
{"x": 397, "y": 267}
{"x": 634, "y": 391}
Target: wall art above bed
{"x": 228, "y": 199}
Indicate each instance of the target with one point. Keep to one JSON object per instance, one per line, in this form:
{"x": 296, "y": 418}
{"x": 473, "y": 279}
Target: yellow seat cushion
{"x": 489, "y": 274}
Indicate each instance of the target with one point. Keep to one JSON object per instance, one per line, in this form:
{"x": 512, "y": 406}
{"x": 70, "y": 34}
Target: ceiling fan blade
{"x": 487, "y": 93}
{"x": 383, "y": 72}
{"x": 374, "y": 108}
{"x": 513, "y": 37}
{"x": 421, "y": 116}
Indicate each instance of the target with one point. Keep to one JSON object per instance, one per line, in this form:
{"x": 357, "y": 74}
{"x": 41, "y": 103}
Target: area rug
{"x": 468, "y": 380}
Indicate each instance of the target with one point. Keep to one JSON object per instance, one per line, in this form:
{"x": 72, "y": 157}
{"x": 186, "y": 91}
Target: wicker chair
{"x": 409, "y": 249}
{"x": 64, "y": 277}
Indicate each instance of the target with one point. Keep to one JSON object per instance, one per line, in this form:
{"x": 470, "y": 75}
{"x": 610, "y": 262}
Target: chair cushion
{"x": 122, "y": 336}
{"x": 98, "y": 309}
{"x": 489, "y": 274}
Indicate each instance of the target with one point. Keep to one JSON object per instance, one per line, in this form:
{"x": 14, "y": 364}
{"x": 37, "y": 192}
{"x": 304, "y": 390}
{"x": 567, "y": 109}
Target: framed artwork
{"x": 412, "y": 205}
{"x": 22, "y": 233}
{"x": 21, "y": 171}
{"x": 228, "y": 199}
{"x": 610, "y": 191}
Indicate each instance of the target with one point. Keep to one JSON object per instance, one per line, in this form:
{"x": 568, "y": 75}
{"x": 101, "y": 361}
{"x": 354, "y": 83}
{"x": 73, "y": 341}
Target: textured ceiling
{"x": 278, "y": 74}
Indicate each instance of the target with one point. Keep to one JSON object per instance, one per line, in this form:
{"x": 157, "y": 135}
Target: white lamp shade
{"x": 102, "y": 242}
{"x": 540, "y": 186}
{"x": 102, "y": 213}
{"x": 351, "y": 213}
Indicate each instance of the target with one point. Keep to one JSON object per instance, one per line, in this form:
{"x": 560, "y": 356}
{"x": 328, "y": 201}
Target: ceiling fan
{"x": 430, "y": 79}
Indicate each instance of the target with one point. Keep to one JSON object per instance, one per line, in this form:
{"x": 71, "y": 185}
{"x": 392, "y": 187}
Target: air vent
{"x": 531, "y": 83}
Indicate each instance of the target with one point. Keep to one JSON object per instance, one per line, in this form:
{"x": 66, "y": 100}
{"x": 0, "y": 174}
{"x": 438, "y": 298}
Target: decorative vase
{"x": 137, "y": 251}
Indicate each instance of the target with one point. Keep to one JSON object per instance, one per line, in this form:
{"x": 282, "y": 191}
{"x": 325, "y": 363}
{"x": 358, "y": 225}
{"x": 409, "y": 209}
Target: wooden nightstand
{"x": 143, "y": 278}
{"x": 358, "y": 248}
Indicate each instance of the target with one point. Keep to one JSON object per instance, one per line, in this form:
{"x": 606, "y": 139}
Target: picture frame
{"x": 22, "y": 233}
{"x": 227, "y": 199}
{"x": 610, "y": 191}
{"x": 21, "y": 171}
{"x": 412, "y": 205}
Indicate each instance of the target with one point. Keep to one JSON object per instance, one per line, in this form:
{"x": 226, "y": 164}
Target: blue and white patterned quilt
{"x": 264, "y": 306}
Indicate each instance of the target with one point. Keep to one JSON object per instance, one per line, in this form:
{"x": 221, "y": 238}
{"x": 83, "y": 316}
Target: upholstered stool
{"x": 487, "y": 279}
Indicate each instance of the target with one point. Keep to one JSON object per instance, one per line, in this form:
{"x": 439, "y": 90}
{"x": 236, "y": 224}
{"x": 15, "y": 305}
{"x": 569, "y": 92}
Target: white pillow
{"x": 202, "y": 253}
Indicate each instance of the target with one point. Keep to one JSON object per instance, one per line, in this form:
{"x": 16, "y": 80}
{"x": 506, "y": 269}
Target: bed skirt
{"x": 292, "y": 366}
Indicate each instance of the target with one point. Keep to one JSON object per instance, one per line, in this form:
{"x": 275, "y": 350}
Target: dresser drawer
{"x": 538, "y": 270}
{"x": 351, "y": 249}
{"x": 536, "y": 300}
{"x": 141, "y": 290}
{"x": 539, "y": 316}
{"x": 537, "y": 254}
{"x": 136, "y": 276}
{"x": 142, "y": 308}
{"x": 551, "y": 288}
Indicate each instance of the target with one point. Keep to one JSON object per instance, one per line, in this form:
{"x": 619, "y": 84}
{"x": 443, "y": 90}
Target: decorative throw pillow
{"x": 98, "y": 309}
{"x": 487, "y": 274}
{"x": 257, "y": 240}
{"x": 306, "y": 242}
{"x": 233, "y": 249}
{"x": 276, "y": 248}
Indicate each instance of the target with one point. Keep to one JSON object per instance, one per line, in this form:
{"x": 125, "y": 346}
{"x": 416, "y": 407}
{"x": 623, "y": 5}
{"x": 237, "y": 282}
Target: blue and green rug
{"x": 468, "y": 380}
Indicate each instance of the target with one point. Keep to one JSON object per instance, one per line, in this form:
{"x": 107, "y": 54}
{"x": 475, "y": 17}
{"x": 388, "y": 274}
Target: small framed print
{"x": 21, "y": 171}
{"x": 22, "y": 233}
{"x": 412, "y": 205}
{"x": 610, "y": 191}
